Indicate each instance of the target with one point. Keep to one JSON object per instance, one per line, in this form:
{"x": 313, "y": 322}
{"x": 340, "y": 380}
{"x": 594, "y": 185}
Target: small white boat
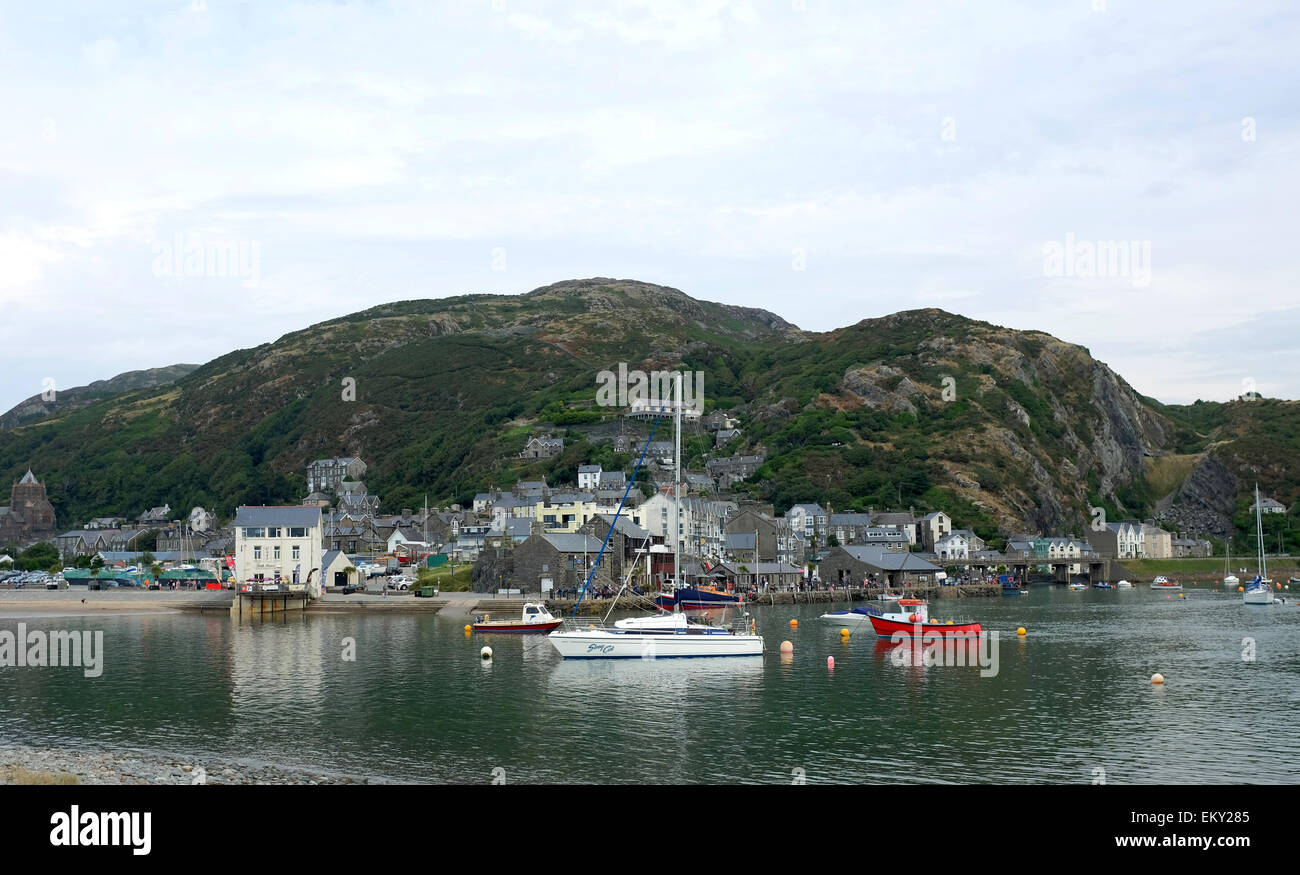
{"x": 669, "y": 635}
{"x": 1123, "y": 584}
{"x": 852, "y": 618}
{"x": 535, "y": 618}
{"x": 1078, "y": 585}
{"x": 1164, "y": 583}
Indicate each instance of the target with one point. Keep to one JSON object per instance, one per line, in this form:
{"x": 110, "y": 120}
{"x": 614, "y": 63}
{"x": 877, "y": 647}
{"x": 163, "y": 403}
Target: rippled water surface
{"x": 417, "y": 703}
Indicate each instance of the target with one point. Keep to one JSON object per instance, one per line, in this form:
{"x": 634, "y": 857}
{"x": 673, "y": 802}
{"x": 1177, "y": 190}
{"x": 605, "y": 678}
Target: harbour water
{"x": 1071, "y": 703}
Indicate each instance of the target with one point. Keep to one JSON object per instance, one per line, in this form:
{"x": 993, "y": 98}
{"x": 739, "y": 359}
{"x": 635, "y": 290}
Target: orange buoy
{"x": 794, "y": 624}
{"x": 787, "y": 647}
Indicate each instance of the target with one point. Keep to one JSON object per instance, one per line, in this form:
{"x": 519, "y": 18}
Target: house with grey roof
{"x": 1269, "y": 505}
{"x": 558, "y": 562}
{"x": 809, "y": 521}
{"x": 542, "y": 447}
{"x": 588, "y": 476}
{"x": 280, "y": 544}
{"x": 326, "y": 475}
{"x": 850, "y": 565}
{"x": 724, "y": 436}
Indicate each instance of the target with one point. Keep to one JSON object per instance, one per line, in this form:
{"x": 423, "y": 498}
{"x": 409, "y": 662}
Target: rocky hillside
{"x": 1006, "y": 430}
{"x": 39, "y": 407}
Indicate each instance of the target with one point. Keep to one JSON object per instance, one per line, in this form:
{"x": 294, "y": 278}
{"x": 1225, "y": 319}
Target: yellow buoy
{"x": 469, "y": 628}
{"x": 950, "y": 622}
{"x": 844, "y": 633}
{"x": 794, "y": 624}
{"x": 1157, "y": 678}
{"x": 787, "y": 647}
{"x": 1020, "y": 631}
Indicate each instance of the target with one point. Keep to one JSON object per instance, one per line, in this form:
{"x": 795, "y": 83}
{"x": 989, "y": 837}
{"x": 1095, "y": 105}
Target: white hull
{"x": 848, "y": 621}
{"x": 1258, "y": 596}
{"x": 603, "y": 644}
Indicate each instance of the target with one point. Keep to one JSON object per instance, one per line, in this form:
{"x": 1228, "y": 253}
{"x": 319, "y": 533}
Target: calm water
{"x": 418, "y": 705}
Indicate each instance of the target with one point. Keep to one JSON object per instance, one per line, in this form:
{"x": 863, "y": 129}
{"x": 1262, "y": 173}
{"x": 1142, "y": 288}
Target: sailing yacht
{"x": 1259, "y": 591}
{"x": 1229, "y": 579}
{"x": 667, "y": 634}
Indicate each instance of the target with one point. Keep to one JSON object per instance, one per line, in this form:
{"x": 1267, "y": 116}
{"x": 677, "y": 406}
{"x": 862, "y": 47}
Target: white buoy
{"x": 486, "y": 653}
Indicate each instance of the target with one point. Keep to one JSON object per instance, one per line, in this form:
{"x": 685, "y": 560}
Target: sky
{"x": 180, "y": 179}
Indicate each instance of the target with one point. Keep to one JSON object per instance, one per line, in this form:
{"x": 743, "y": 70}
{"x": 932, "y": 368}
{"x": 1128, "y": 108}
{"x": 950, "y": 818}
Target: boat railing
{"x": 743, "y": 625}
{"x": 574, "y": 624}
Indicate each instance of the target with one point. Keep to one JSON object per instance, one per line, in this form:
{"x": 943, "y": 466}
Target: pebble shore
{"x": 24, "y": 764}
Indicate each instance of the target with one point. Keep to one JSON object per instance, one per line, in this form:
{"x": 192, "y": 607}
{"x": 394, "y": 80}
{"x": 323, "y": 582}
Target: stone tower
{"x": 30, "y": 516}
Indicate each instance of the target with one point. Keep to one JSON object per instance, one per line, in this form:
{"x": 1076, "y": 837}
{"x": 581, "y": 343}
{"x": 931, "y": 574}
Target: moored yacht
{"x": 664, "y": 635}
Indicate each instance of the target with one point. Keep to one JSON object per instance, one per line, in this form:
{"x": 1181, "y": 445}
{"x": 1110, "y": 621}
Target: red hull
{"x": 517, "y": 627}
{"x": 887, "y": 628}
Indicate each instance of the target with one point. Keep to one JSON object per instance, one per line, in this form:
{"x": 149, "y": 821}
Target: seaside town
{"x": 544, "y": 538}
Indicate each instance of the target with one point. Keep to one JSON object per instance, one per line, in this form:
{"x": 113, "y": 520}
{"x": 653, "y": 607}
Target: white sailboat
{"x": 1259, "y": 591}
{"x": 1229, "y": 579}
{"x": 664, "y": 635}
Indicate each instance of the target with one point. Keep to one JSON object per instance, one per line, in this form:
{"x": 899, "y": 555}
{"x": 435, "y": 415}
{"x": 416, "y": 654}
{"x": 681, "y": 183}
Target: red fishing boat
{"x": 913, "y": 620}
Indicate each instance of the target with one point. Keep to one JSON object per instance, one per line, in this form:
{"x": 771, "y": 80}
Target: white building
{"x": 701, "y": 528}
{"x": 589, "y": 477}
{"x": 808, "y": 521}
{"x": 201, "y": 520}
{"x": 281, "y": 543}
{"x": 953, "y": 545}
{"x": 935, "y": 526}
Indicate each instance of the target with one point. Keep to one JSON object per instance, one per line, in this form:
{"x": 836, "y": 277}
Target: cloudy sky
{"x": 828, "y": 161}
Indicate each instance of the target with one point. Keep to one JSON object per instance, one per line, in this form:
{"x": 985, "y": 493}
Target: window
{"x": 277, "y": 551}
{"x": 254, "y": 533}
{"x": 295, "y": 552}
{"x": 257, "y": 552}
{"x": 297, "y": 532}
{"x": 273, "y": 532}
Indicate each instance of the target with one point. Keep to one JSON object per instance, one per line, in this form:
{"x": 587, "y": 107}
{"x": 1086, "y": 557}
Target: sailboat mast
{"x": 677, "y": 486}
{"x": 1259, "y": 535}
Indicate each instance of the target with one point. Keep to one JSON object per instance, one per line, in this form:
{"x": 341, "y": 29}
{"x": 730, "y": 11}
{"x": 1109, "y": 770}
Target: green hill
{"x": 1006, "y": 430}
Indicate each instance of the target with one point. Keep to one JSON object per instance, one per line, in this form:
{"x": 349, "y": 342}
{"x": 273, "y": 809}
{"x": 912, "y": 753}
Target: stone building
{"x": 562, "y": 560}
{"x": 29, "y": 516}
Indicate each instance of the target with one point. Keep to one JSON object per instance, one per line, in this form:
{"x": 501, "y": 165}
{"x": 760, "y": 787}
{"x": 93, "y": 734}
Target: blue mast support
{"x": 617, "y": 513}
